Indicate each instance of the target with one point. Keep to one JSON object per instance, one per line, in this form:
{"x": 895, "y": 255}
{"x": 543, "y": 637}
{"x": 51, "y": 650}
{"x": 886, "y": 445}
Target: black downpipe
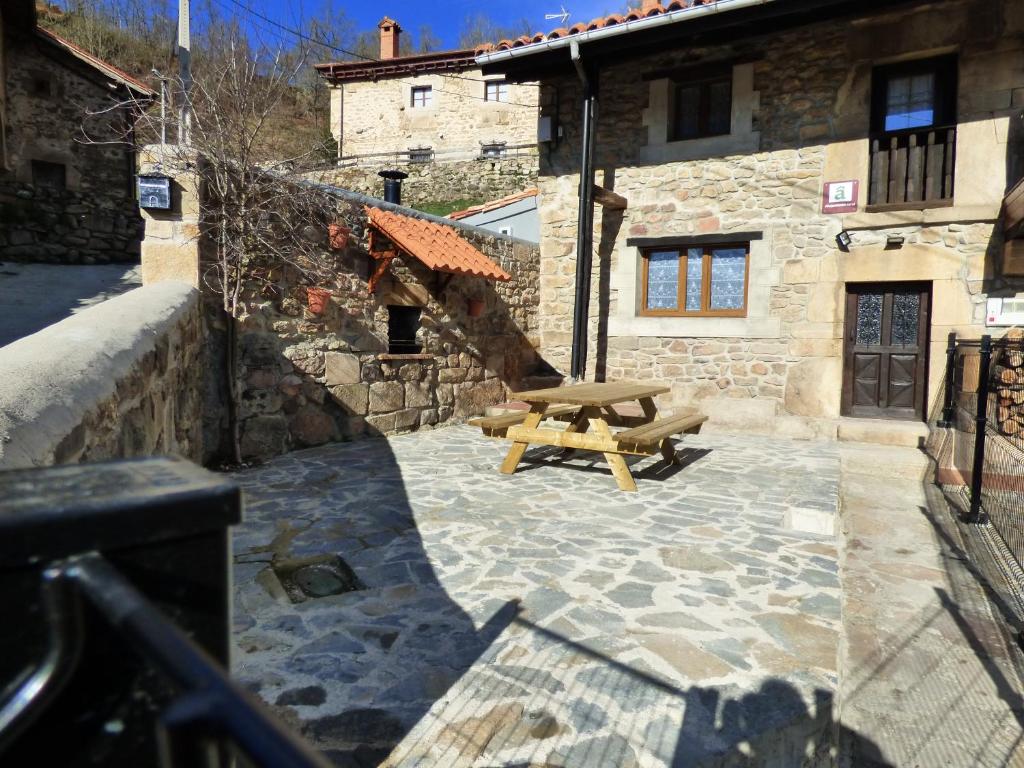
{"x": 585, "y": 230}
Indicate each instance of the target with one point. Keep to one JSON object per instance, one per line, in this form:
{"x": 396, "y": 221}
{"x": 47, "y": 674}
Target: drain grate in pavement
{"x": 312, "y": 577}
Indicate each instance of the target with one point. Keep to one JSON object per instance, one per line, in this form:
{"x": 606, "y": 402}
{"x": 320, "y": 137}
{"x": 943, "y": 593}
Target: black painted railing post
{"x": 948, "y": 405}
{"x": 980, "y": 422}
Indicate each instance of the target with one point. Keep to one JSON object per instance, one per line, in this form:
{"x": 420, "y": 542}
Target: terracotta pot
{"x": 317, "y": 299}
{"x": 337, "y": 236}
{"x": 476, "y": 307}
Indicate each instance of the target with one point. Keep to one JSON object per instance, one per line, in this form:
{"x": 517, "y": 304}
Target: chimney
{"x": 649, "y": 5}
{"x": 389, "y": 34}
{"x": 393, "y": 185}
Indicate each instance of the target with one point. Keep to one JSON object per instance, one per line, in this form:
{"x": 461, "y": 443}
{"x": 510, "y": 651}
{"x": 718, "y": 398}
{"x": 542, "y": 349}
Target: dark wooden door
{"x": 885, "y": 366}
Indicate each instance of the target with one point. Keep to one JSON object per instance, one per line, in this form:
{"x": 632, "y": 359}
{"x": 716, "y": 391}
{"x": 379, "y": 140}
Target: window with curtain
{"x": 698, "y": 280}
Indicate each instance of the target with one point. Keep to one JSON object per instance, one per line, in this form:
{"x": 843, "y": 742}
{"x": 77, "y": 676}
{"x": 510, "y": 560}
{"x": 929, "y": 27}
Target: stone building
{"x": 67, "y": 184}
{"x": 427, "y": 107}
{"x": 795, "y": 203}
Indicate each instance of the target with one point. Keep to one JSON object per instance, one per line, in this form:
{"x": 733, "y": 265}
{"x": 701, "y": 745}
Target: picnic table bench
{"x": 591, "y": 407}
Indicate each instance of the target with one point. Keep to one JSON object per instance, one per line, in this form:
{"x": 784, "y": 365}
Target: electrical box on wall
{"x": 1005, "y": 311}
{"x": 545, "y": 128}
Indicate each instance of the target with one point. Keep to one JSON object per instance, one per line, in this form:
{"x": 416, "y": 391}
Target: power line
{"x": 338, "y": 49}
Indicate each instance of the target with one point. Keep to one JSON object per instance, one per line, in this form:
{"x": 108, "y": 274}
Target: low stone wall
{"x": 119, "y": 379}
{"x": 308, "y": 378}
{"x": 65, "y": 227}
{"x": 441, "y": 180}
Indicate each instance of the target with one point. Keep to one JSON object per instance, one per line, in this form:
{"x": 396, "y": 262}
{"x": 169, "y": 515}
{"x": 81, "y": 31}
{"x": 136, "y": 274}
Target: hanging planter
{"x": 317, "y": 299}
{"x": 476, "y": 307}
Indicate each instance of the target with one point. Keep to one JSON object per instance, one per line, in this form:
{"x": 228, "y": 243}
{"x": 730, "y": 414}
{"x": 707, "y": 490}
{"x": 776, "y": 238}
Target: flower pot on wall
{"x": 317, "y": 299}
{"x": 337, "y": 236}
{"x": 476, "y": 307}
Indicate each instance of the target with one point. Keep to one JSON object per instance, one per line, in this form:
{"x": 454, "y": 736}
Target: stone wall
{"x": 441, "y": 180}
{"x": 120, "y": 379}
{"x": 798, "y": 121}
{"x": 377, "y": 116}
{"x": 65, "y": 227}
{"x": 94, "y": 219}
{"x": 310, "y": 378}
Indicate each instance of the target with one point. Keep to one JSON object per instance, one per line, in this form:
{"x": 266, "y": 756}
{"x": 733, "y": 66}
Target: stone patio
{"x": 544, "y": 618}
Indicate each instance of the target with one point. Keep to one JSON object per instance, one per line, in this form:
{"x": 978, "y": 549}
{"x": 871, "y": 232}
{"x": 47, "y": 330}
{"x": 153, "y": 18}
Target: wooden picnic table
{"x": 590, "y": 407}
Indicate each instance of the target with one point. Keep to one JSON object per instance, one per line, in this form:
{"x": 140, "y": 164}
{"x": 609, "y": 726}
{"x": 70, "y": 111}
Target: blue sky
{"x": 446, "y": 16}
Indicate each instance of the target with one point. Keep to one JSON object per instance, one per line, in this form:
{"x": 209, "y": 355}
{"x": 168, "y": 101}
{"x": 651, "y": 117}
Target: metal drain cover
{"x": 318, "y": 576}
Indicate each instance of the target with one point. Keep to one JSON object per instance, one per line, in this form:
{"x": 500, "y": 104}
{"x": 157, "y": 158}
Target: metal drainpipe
{"x": 585, "y": 221}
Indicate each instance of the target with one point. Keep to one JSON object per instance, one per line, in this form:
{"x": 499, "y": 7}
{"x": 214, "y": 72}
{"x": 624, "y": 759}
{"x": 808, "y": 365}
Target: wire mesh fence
{"x": 978, "y": 443}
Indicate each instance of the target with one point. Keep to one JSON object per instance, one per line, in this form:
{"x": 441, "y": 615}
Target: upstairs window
{"x": 701, "y": 105}
{"x": 913, "y": 133}
{"x": 422, "y": 96}
{"x": 698, "y": 281}
{"x": 496, "y": 90}
{"x": 914, "y": 94}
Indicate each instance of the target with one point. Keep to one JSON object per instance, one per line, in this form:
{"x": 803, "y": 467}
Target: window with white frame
{"x": 496, "y": 90}
{"x": 422, "y": 96}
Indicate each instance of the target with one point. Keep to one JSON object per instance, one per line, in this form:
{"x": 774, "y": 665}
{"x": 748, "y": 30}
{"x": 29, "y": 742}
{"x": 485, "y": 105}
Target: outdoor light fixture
{"x": 894, "y": 241}
{"x": 843, "y": 239}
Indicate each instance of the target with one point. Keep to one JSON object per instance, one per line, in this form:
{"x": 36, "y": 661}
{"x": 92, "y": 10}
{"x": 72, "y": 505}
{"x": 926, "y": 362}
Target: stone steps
{"x": 883, "y": 461}
{"x": 910, "y": 434}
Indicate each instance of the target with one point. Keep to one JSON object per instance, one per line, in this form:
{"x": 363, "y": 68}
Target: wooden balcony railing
{"x": 912, "y": 168}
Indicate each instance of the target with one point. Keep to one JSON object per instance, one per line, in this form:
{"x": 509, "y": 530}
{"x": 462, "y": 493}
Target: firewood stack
{"x": 1008, "y": 379}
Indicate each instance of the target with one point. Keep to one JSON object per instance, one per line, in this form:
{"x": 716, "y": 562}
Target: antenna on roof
{"x": 564, "y": 15}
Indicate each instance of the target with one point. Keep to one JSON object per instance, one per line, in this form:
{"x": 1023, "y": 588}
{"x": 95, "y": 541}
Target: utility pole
{"x": 184, "y": 72}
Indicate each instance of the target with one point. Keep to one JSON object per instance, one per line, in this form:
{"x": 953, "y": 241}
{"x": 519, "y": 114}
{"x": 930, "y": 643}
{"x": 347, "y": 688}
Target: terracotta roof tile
{"x": 648, "y": 9}
{"x": 492, "y": 205}
{"x": 96, "y": 63}
{"x": 438, "y": 246}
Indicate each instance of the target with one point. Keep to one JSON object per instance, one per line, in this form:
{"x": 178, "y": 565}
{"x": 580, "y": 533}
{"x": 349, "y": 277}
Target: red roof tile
{"x": 494, "y": 204}
{"x": 649, "y": 8}
{"x": 436, "y": 245}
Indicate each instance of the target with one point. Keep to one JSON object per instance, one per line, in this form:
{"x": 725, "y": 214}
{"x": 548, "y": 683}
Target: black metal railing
{"x": 982, "y": 455}
{"x": 113, "y": 586}
{"x": 913, "y": 166}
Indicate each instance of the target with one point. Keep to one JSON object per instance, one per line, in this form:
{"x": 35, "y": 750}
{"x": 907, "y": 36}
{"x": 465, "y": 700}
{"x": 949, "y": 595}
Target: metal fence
{"x": 979, "y": 440}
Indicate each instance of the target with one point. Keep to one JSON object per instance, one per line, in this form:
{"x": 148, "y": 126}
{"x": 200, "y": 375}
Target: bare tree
{"x": 261, "y": 226}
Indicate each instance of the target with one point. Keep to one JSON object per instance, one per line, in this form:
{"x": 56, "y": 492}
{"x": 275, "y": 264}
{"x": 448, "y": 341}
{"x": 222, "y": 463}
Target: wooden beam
{"x": 577, "y": 440}
{"x": 608, "y": 199}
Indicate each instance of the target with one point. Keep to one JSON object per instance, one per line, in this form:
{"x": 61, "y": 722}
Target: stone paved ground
{"x": 930, "y": 676}
{"x": 543, "y": 618}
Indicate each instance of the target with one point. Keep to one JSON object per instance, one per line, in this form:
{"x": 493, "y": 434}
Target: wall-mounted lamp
{"x": 843, "y": 240}
{"x": 894, "y": 241}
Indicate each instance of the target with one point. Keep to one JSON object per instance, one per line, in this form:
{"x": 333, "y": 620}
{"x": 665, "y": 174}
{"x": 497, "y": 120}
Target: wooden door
{"x": 885, "y": 361}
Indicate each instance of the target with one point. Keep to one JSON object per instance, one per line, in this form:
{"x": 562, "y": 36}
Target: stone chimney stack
{"x": 389, "y": 35}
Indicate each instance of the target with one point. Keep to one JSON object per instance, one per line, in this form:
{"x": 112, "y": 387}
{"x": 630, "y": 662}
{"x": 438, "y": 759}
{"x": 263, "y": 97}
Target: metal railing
{"x": 94, "y": 672}
{"x": 419, "y": 155}
{"x": 983, "y": 414}
{"x": 913, "y": 166}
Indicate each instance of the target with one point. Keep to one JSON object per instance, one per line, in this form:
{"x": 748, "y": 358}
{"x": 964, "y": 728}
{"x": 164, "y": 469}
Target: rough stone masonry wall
{"x": 95, "y": 219}
{"x": 441, "y": 180}
{"x": 312, "y": 378}
{"x": 377, "y": 116}
{"x": 118, "y": 380}
{"x": 785, "y": 359}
